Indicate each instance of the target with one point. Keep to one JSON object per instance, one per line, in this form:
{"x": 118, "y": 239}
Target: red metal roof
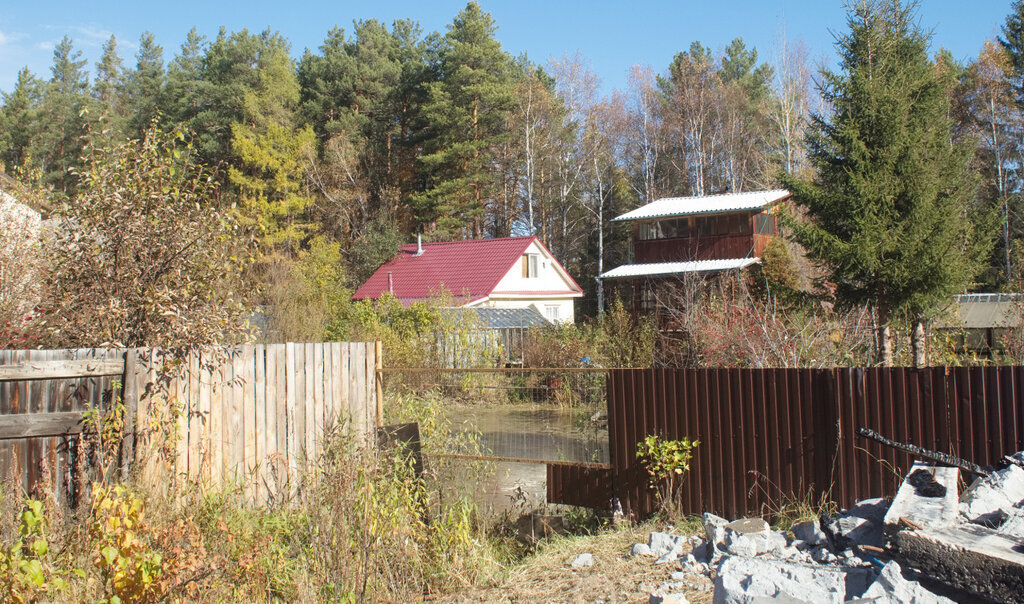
{"x": 469, "y": 270}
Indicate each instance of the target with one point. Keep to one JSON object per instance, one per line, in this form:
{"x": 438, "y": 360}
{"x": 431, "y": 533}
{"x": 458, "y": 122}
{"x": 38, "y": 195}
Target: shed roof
{"x": 982, "y": 311}
{"x": 506, "y": 318}
{"x": 663, "y": 269}
{"x": 707, "y": 204}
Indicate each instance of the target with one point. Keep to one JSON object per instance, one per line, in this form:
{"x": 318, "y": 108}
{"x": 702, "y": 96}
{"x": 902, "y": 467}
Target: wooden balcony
{"x": 698, "y": 248}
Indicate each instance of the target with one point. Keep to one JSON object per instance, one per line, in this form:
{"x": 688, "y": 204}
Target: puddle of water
{"x": 527, "y": 432}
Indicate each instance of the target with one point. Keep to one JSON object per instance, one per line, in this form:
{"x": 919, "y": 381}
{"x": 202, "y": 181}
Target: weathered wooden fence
{"x": 250, "y": 416}
{"x": 769, "y": 436}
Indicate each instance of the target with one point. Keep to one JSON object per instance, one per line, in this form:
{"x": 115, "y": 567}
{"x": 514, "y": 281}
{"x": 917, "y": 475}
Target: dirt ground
{"x": 547, "y": 576}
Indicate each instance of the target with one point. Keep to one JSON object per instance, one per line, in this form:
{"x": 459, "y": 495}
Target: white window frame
{"x": 533, "y": 266}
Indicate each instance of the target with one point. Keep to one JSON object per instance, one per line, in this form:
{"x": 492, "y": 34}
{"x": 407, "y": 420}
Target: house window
{"x": 552, "y": 312}
{"x": 531, "y": 266}
{"x": 765, "y": 224}
{"x": 706, "y": 227}
{"x": 648, "y": 301}
{"x": 665, "y": 229}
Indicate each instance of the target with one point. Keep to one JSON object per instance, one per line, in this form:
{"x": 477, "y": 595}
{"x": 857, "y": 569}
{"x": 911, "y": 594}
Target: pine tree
{"x": 65, "y": 113}
{"x": 466, "y": 112}
{"x": 19, "y": 120}
{"x": 108, "y": 88}
{"x": 144, "y": 85}
{"x": 888, "y": 212}
{"x": 180, "y": 100}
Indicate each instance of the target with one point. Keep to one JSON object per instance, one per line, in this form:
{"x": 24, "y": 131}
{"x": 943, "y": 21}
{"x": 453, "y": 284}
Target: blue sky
{"x": 612, "y": 36}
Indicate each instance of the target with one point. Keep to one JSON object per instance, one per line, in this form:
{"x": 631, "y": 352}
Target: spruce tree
{"x": 888, "y": 210}
{"x": 466, "y": 111}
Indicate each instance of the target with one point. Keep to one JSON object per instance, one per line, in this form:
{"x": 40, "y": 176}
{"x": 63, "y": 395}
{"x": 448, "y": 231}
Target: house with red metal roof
{"x": 507, "y": 272}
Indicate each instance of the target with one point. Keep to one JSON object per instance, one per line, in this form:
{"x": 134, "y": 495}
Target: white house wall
{"x": 514, "y": 290}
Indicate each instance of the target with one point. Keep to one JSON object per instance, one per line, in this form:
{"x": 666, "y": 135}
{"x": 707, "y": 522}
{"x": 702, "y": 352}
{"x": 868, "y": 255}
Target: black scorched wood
{"x": 938, "y": 456}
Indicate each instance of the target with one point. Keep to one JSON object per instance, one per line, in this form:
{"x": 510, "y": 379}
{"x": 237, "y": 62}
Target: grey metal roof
{"x": 505, "y": 318}
{"x": 655, "y": 269}
{"x": 707, "y": 204}
{"x": 981, "y": 311}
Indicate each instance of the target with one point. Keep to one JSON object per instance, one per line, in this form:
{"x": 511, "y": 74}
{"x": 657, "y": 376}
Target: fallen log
{"x": 936, "y": 456}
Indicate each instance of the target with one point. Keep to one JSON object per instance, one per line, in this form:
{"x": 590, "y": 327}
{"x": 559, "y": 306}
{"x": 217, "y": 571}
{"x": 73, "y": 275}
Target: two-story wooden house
{"x": 705, "y": 235}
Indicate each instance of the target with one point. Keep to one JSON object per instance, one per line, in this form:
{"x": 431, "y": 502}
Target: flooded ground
{"x": 533, "y": 432}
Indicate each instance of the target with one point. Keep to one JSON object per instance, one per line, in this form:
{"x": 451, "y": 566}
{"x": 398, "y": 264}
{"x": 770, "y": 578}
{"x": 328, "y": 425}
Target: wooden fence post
{"x": 378, "y": 366}
{"x": 130, "y": 400}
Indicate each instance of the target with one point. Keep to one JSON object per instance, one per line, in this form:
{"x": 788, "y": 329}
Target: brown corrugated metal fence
{"x": 769, "y": 436}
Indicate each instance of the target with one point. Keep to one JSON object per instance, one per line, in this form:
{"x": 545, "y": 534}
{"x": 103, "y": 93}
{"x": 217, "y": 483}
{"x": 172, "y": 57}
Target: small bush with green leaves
{"x": 666, "y": 462}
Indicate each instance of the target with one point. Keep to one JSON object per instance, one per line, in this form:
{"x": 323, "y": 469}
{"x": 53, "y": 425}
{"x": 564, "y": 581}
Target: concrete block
{"x": 999, "y": 491}
{"x": 968, "y": 556}
{"x": 663, "y": 543}
{"x": 757, "y": 580}
{"x": 659, "y": 597}
{"x": 869, "y": 509}
{"x": 922, "y": 510}
{"x": 892, "y": 588}
{"x": 714, "y": 531}
{"x": 860, "y": 530}
{"x": 809, "y": 532}
{"x": 754, "y": 543}
{"x": 583, "y": 561}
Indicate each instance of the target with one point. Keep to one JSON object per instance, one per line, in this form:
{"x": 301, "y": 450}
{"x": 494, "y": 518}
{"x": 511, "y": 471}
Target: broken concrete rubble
{"x": 923, "y": 509}
{"x": 971, "y": 547}
{"x": 751, "y": 580}
{"x": 808, "y": 532}
{"x": 1001, "y": 491}
{"x": 969, "y": 557}
{"x": 892, "y": 588}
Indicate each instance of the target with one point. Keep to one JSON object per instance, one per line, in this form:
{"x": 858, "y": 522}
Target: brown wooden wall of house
{"x": 694, "y": 248}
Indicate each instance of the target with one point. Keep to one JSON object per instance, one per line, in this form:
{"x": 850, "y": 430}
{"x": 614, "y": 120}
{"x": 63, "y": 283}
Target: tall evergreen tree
{"x": 64, "y": 111}
{"x": 466, "y": 111}
{"x": 180, "y": 100}
{"x": 19, "y": 123}
{"x": 888, "y": 211}
{"x": 231, "y": 71}
{"x": 144, "y": 85}
{"x": 108, "y": 88}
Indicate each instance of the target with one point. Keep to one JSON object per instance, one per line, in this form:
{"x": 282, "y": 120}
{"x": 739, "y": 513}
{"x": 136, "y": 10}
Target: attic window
{"x": 531, "y": 266}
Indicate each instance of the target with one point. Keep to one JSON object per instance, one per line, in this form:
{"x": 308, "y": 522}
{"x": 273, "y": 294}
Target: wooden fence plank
{"x": 318, "y": 400}
{"x": 281, "y": 422}
{"x": 309, "y": 447}
{"x": 40, "y": 369}
{"x": 260, "y": 440}
{"x": 292, "y": 381}
{"x": 248, "y": 459}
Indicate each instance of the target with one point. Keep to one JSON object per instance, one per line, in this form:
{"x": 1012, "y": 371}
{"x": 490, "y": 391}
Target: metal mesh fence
{"x": 516, "y": 420}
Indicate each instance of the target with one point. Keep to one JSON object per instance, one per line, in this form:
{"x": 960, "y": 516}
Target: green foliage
{"x": 666, "y": 461}
{"x": 27, "y": 572}
{"x": 377, "y": 244}
{"x": 466, "y": 114}
{"x": 129, "y": 567}
{"x": 142, "y": 257}
{"x": 887, "y": 207}
{"x": 664, "y": 458}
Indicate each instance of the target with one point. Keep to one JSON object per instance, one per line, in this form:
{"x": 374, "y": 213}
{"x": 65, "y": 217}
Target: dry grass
{"x": 546, "y": 576}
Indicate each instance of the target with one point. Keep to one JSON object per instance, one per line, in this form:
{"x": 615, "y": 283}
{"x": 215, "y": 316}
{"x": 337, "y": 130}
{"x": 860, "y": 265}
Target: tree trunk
{"x": 884, "y": 336}
{"x": 919, "y": 345}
